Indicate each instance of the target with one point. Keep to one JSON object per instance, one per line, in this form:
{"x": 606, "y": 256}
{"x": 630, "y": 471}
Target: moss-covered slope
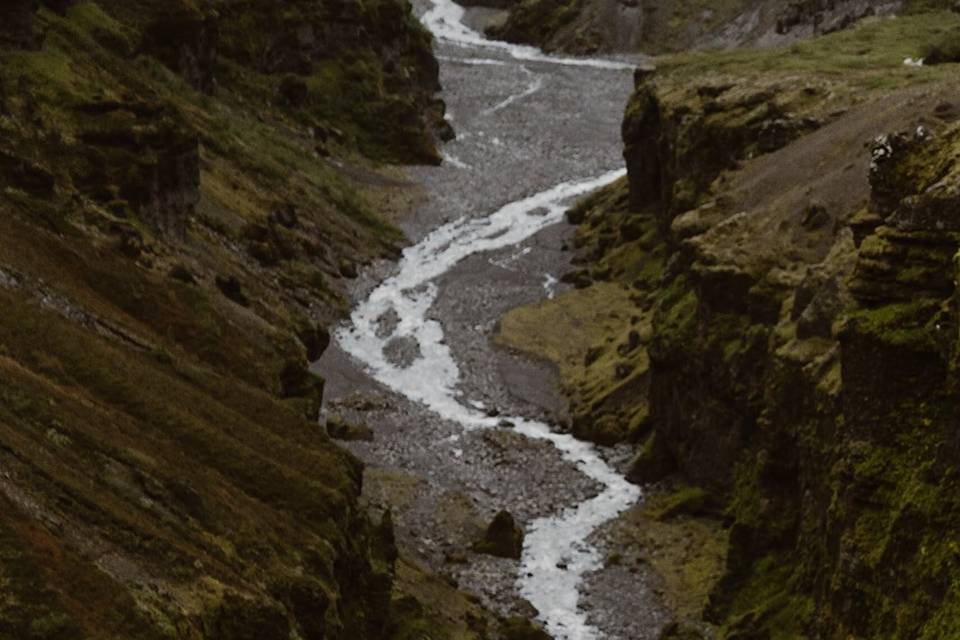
{"x": 173, "y": 243}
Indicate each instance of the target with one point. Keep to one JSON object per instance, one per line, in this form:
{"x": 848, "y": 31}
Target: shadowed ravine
{"x": 534, "y": 133}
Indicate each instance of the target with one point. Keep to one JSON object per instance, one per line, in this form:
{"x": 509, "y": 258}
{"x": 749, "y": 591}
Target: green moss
{"x": 684, "y": 500}
{"x": 766, "y": 600}
{"x": 907, "y": 324}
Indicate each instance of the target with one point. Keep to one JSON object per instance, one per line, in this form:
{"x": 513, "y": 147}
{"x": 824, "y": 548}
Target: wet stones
{"x": 402, "y": 351}
{"x": 387, "y": 323}
{"x": 503, "y": 538}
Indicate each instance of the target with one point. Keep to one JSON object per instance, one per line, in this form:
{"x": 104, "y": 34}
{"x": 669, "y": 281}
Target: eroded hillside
{"x": 184, "y": 187}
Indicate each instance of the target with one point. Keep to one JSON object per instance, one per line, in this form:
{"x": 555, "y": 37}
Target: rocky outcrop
{"x": 141, "y": 157}
{"x": 677, "y": 142}
{"x": 803, "y": 438}
{"x": 392, "y": 76}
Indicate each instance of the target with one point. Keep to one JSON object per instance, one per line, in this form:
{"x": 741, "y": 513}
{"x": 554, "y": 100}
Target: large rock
{"x": 503, "y": 538}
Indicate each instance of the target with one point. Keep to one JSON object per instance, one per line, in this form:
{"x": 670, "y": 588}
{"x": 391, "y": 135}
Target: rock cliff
{"x": 786, "y": 249}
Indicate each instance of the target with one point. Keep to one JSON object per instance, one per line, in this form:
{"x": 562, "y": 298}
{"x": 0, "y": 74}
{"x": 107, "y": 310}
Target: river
{"x": 462, "y": 429}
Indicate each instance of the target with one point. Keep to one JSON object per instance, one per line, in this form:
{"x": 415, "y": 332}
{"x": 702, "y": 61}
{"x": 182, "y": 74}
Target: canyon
{"x": 365, "y": 320}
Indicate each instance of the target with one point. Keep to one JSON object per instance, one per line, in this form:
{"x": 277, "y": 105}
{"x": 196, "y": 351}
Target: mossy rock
{"x": 503, "y": 538}
{"x": 685, "y": 501}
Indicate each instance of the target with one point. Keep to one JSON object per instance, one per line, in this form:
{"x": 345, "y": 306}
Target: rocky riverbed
{"x": 462, "y": 430}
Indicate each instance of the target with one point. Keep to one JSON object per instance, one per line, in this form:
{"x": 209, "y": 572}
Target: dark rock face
{"x": 642, "y": 147}
{"x": 674, "y": 152}
{"x": 185, "y": 40}
{"x": 143, "y": 156}
{"x": 17, "y": 27}
{"x": 503, "y": 538}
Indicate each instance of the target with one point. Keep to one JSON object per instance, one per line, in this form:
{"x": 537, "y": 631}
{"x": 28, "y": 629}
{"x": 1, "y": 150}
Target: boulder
{"x": 503, "y": 538}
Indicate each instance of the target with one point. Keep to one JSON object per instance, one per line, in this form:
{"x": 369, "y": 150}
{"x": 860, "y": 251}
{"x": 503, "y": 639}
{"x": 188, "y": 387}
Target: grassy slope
{"x": 159, "y": 477}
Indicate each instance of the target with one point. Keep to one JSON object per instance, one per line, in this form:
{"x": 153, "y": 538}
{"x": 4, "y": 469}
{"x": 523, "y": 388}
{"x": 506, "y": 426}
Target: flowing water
{"x": 534, "y": 133}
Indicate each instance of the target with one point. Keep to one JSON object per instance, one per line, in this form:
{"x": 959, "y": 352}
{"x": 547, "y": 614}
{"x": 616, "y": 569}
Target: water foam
{"x": 445, "y": 20}
{"x": 555, "y": 556}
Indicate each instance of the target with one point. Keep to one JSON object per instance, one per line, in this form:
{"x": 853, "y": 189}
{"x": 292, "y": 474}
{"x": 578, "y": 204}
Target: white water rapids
{"x": 555, "y": 556}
